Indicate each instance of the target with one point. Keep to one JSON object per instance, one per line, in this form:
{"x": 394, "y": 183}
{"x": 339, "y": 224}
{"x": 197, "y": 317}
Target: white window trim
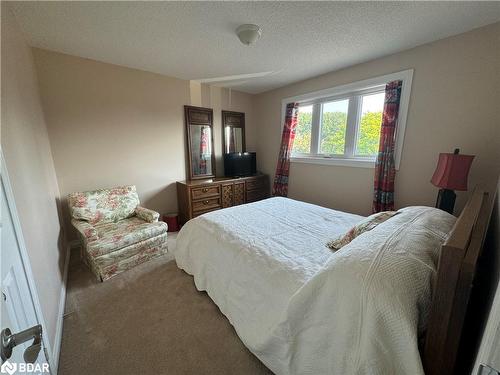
{"x": 406, "y": 76}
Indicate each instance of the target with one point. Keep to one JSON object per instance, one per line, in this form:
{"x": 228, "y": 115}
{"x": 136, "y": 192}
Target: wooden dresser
{"x": 197, "y": 197}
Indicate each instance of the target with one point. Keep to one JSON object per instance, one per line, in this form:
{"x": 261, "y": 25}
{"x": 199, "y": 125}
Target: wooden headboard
{"x": 455, "y": 275}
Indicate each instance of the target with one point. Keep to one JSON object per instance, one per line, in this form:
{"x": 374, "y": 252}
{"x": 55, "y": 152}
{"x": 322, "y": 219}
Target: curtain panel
{"x": 280, "y": 186}
{"x": 385, "y": 171}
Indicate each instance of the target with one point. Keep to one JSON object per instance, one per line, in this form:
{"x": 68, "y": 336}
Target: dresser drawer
{"x": 205, "y": 192}
{"x": 256, "y": 184}
{"x": 206, "y": 204}
{"x": 198, "y": 197}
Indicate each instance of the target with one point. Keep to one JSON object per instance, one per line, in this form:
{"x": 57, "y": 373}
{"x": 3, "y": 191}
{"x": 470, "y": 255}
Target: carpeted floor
{"x": 149, "y": 320}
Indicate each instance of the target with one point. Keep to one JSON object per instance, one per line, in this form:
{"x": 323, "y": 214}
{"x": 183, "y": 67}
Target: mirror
{"x": 201, "y": 150}
{"x": 233, "y": 137}
{"x": 199, "y": 127}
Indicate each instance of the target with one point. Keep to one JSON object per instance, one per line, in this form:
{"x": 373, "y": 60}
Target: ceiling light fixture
{"x": 248, "y": 33}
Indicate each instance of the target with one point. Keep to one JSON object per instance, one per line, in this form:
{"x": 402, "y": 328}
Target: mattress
{"x": 303, "y": 309}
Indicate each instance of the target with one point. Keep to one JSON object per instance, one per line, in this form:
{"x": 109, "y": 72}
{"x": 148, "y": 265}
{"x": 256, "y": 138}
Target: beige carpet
{"x": 149, "y": 320}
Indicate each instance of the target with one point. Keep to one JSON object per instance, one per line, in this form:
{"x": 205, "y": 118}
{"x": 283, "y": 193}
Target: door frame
{"x": 490, "y": 341}
{"x": 9, "y": 195}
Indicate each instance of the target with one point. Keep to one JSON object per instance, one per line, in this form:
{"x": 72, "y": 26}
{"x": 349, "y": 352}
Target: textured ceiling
{"x": 196, "y": 40}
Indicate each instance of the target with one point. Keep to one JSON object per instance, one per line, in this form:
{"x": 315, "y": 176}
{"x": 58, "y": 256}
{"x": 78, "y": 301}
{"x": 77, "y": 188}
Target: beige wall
{"x": 222, "y": 99}
{"x": 454, "y": 103}
{"x": 25, "y": 145}
{"x": 110, "y": 125}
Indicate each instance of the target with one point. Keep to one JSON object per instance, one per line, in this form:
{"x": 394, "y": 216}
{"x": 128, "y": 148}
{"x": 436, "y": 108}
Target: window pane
{"x": 369, "y": 125}
{"x": 333, "y": 127}
{"x": 302, "y": 142}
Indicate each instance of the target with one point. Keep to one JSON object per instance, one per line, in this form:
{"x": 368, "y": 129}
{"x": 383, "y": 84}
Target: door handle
{"x": 10, "y": 340}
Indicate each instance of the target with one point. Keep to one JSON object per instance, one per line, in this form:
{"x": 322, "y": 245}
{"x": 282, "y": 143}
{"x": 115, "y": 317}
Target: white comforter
{"x": 302, "y": 309}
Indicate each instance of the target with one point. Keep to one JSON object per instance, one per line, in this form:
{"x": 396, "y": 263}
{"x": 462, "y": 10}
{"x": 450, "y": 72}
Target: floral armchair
{"x": 117, "y": 232}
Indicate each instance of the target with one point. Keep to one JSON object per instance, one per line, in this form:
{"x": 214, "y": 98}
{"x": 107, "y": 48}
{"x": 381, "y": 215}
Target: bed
{"x": 303, "y": 309}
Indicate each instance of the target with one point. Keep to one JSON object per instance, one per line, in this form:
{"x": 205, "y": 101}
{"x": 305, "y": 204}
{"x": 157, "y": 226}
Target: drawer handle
{"x": 204, "y": 190}
{"x": 206, "y": 202}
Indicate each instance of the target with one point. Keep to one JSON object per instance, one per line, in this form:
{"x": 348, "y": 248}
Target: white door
{"x": 18, "y": 312}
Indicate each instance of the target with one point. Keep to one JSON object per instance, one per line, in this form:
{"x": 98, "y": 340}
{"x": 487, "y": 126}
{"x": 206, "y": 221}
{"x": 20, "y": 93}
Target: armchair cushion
{"x": 88, "y": 232}
{"x": 104, "y": 205}
{"x": 127, "y": 232}
{"x": 146, "y": 214}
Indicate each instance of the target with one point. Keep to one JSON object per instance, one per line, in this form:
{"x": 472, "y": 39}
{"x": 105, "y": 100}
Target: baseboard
{"x": 60, "y": 314}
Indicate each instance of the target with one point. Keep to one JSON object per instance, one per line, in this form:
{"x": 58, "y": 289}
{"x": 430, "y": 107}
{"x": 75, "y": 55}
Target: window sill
{"x": 344, "y": 162}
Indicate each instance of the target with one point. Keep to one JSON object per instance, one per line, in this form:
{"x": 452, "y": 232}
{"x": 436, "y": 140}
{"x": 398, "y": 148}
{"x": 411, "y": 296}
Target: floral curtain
{"x": 383, "y": 198}
{"x": 280, "y": 186}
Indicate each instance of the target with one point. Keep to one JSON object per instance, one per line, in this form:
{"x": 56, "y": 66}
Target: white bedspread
{"x": 302, "y": 309}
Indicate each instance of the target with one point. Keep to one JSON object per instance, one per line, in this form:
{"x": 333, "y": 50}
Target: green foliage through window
{"x": 333, "y": 128}
{"x": 302, "y": 142}
{"x": 369, "y": 134}
{"x": 333, "y": 133}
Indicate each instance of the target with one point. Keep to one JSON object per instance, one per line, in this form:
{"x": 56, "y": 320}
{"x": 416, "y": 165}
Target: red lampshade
{"x": 452, "y": 171}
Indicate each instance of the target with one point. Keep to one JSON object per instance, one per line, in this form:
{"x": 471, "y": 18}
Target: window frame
{"x": 353, "y": 91}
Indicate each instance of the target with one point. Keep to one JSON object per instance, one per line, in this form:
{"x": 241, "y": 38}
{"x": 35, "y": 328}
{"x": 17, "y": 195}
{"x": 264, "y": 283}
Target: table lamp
{"x": 451, "y": 174}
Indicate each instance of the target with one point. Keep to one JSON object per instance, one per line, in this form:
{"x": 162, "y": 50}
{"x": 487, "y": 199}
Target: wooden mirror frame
{"x": 235, "y": 120}
{"x": 199, "y": 116}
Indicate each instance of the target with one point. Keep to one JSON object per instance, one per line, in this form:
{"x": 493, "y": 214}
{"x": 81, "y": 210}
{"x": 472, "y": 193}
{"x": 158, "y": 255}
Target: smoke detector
{"x": 248, "y": 33}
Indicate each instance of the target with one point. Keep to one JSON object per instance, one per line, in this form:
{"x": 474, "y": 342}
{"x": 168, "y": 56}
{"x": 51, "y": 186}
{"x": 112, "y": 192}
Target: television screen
{"x": 240, "y": 164}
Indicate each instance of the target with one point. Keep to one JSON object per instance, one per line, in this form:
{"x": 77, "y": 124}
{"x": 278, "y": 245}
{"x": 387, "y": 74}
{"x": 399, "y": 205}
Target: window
{"x": 341, "y": 126}
{"x": 347, "y": 127}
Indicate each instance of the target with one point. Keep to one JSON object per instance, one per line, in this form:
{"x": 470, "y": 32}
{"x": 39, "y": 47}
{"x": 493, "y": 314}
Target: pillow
{"x": 365, "y": 225}
{"x": 104, "y": 205}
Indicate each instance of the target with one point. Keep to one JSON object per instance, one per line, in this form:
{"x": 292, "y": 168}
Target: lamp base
{"x": 446, "y": 200}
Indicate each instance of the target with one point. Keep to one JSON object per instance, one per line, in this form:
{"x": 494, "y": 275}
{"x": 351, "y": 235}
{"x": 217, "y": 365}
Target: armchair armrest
{"x": 146, "y": 214}
{"x": 88, "y": 232}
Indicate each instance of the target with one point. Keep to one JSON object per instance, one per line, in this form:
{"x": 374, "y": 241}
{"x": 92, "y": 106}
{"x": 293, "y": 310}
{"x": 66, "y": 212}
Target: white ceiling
{"x": 196, "y": 40}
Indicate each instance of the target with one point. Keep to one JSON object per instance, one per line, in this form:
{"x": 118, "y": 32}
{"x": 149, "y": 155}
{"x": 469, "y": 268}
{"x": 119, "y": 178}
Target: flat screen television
{"x": 240, "y": 164}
